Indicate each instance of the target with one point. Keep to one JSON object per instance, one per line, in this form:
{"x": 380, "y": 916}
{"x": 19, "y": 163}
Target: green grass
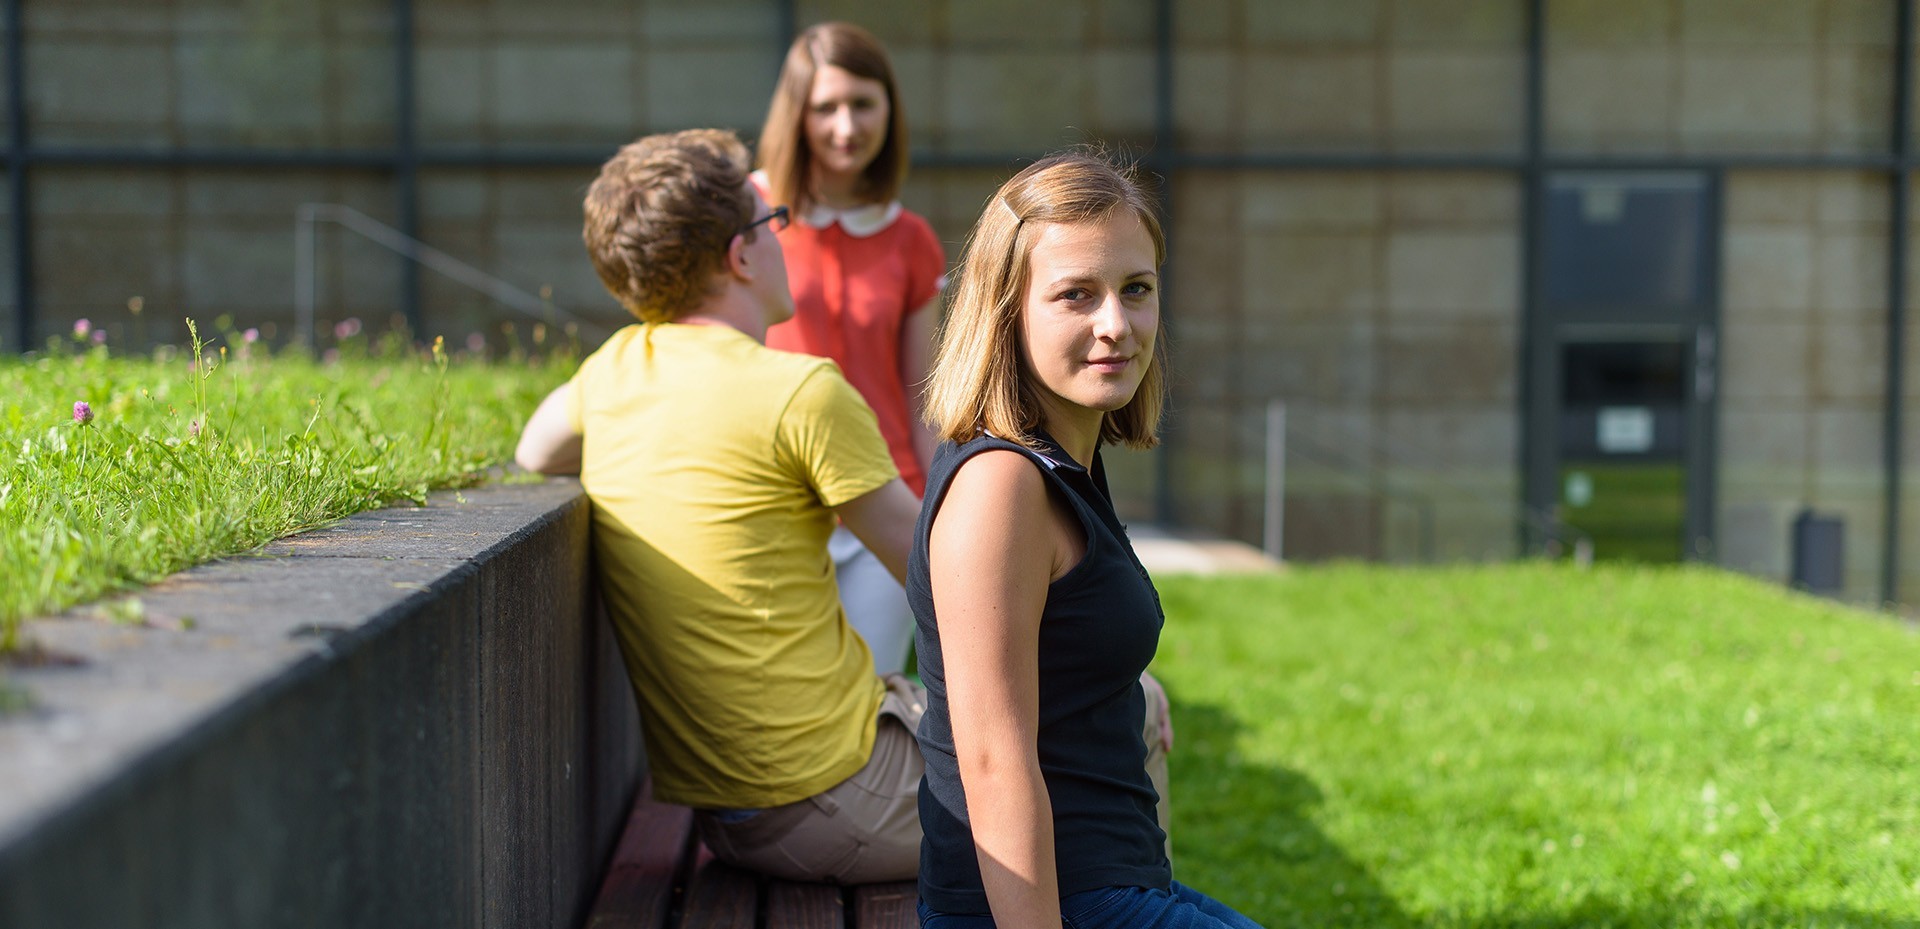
{"x": 1638, "y": 511}
{"x": 193, "y": 455}
{"x": 1534, "y": 746}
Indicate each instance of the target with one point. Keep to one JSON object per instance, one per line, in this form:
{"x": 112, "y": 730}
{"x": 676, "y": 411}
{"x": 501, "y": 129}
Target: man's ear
{"x": 737, "y": 263}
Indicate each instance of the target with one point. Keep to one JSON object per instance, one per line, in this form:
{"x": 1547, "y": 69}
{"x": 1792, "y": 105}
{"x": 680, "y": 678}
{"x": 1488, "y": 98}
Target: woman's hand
{"x": 1159, "y": 707}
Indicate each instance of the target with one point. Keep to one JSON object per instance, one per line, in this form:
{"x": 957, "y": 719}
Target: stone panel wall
{"x": 1382, "y": 309}
{"x": 1379, "y": 75}
{"x": 1674, "y": 76}
{"x": 211, "y": 74}
{"x": 204, "y": 243}
{"x": 1803, "y": 372}
{"x": 589, "y": 72}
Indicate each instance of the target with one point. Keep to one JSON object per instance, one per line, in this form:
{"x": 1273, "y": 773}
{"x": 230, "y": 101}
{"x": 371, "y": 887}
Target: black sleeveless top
{"x": 1098, "y": 632}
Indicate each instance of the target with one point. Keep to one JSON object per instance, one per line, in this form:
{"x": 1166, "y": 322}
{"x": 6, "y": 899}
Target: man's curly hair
{"x": 659, "y": 218}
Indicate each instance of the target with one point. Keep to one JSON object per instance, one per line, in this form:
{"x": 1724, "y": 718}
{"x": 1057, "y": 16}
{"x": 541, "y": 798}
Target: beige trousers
{"x": 862, "y": 830}
{"x": 867, "y": 827}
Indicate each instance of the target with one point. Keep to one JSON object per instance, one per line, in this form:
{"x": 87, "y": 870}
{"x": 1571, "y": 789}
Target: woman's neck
{"x": 839, "y": 191}
{"x": 1078, "y": 432}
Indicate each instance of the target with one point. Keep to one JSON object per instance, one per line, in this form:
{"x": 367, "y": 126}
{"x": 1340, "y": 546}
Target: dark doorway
{"x": 1622, "y": 363}
{"x": 1622, "y": 444}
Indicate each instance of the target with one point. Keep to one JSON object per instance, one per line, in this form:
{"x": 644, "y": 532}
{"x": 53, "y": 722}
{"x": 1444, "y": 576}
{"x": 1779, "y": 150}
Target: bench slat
{"x": 805, "y": 906}
{"x": 719, "y": 896}
{"x": 659, "y": 861}
{"x": 639, "y": 883}
{"x": 886, "y": 906}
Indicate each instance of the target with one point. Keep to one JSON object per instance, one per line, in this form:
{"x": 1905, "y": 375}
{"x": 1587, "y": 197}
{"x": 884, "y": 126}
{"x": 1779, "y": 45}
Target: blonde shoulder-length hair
{"x": 980, "y": 380}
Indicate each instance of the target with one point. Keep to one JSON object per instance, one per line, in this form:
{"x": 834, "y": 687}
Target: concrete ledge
{"x": 413, "y": 717}
{"x": 1167, "y": 552}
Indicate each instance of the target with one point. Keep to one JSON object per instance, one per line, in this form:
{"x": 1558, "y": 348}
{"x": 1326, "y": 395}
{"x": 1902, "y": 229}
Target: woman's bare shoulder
{"x": 998, "y": 487}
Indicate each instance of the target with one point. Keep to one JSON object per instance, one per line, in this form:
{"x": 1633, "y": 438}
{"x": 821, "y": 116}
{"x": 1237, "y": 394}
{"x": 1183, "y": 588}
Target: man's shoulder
{"x": 776, "y": 366}
{"x": 745, "y": 359}
{"x": 779, "y": 382}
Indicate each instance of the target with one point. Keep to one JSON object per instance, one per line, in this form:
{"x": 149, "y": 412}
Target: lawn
{"x": 1507, "y": 746}
{"x": 1535, "y": 746}
{"x": 117, "y": 471}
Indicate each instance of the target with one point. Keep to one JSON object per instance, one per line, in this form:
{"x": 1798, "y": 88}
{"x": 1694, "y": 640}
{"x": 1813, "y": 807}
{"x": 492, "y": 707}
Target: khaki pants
{"x": 1157, "y": 757}
{"x": 867, "y": 827}
{"x": 862, "y": 830}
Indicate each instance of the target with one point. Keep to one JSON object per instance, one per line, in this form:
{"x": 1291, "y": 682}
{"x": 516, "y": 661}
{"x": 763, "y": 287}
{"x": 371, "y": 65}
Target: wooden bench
{"x": 662, "y": 877}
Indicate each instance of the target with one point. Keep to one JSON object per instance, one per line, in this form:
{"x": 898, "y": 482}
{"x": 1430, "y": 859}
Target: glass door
{"x": 1621, "y": 364}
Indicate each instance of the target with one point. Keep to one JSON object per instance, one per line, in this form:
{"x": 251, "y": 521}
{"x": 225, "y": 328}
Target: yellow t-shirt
{"x": 712, "y": 462}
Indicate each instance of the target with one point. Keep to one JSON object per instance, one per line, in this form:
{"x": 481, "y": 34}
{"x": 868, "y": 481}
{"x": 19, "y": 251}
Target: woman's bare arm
{"x": 996, "y": 544}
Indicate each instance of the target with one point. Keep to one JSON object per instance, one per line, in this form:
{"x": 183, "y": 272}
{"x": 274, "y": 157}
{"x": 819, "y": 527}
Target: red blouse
{"x": 855, "y": 276}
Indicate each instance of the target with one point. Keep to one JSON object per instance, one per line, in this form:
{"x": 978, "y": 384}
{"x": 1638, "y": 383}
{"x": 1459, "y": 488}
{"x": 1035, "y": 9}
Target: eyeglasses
{"x": 776, "y": 219}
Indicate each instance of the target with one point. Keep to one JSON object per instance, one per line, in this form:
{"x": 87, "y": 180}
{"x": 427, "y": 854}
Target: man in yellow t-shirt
{"x": 717, "y": 468}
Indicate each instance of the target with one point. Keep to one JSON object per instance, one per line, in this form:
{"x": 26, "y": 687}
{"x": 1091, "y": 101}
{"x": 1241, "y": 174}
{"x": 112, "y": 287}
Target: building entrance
{"x": 1622, "y": 447}
{"x": 1622, "y": 365}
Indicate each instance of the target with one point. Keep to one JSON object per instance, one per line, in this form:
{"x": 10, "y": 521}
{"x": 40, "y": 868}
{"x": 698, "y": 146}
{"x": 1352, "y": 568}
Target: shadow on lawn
{"x": 1243, "y": 833}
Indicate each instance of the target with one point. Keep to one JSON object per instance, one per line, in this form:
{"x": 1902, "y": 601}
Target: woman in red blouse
{"x": 865, "y": 272}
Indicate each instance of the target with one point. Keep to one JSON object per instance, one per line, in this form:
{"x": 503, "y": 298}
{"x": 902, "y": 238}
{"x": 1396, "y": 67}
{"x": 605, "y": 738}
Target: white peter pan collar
{"x": 859, "y": 222}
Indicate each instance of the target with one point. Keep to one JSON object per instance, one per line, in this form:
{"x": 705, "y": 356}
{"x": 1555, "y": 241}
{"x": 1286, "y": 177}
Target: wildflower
{"x": 193, "y": 429}
{"x": 99, "y": 336}
{"x": 347, "y": 328}
{"x": 81, "y": 327}
{"x": 476, "y": 342}
{"x": 82, "y": 412}
{"x": 250, "y": 336}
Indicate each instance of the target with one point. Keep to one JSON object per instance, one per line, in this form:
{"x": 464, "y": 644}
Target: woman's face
{"x": 1092, "y": 312}
{"x": 846, "y": 120}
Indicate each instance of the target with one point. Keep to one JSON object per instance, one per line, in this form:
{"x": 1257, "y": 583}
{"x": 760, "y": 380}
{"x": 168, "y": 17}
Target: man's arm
{"x": 549, "y": 444}
{"x": 883, "y": 519}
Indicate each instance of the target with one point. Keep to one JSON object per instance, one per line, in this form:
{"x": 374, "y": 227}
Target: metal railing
{"x": 1279, "y": 444}
{"x": 305, "y": 264}
{"x": 1557, "y": 538}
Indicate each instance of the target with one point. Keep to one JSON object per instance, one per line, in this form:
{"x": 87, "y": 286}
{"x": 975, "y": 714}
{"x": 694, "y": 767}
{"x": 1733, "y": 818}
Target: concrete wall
{"x": 1383, "y": 308}
{"x": 412, "y": 718}
{"x": 1803, "y": 397}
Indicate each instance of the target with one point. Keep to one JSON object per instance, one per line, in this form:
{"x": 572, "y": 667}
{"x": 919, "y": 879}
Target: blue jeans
{"x": 1181, "y": 907}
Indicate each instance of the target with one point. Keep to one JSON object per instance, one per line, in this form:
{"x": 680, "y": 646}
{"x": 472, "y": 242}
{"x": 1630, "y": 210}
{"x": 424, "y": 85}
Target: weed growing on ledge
{"x": 117, "y": 471}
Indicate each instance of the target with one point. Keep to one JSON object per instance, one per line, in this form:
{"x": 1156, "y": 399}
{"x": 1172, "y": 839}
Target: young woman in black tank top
{"x": 1035, "y": 620}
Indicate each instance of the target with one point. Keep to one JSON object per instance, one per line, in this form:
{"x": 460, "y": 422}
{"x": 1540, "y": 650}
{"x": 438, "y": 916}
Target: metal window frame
{"x": 407, "y": 158}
